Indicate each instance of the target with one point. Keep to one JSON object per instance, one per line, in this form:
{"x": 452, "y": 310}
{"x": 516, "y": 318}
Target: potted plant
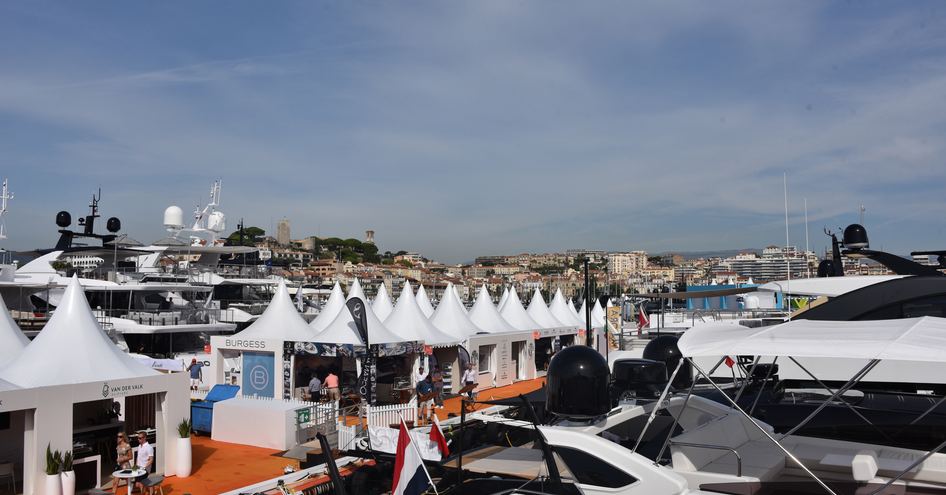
{"x": 68, "y": 475}
{"x": 184, "y": 448}
{"x": 53, "y": 484}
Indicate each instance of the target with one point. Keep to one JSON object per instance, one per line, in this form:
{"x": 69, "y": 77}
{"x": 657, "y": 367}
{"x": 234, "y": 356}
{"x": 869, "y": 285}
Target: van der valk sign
{"x": 121, "y": 390}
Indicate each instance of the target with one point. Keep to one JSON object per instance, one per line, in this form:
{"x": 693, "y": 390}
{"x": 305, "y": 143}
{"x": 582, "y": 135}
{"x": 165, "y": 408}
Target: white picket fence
{"x": 347, "y": 436}
{"x": 388, "y": 415}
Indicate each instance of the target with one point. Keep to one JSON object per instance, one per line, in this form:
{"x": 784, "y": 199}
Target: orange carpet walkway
{"x": 219, "y": 467}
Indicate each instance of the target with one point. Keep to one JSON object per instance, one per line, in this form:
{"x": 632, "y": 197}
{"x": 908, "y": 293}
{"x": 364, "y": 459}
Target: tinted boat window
{"x": 590, "y": 470}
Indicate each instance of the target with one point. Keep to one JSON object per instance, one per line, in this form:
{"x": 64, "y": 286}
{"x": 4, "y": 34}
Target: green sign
{"x": 303, "y": 415}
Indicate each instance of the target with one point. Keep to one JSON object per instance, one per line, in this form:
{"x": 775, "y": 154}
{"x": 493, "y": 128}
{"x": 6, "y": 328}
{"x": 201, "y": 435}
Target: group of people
{"x": 324, "y": 385}
{"x": 143, "y": 459}
{"x": 429, "y": 388}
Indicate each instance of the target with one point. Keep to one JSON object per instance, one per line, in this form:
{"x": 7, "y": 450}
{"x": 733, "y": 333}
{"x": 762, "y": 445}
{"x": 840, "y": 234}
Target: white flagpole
{"x": 422, "y": 465}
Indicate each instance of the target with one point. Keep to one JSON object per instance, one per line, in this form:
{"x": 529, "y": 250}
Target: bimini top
{"x": 423, "y": 302}
{"x": 908, "y": 339}
{"x": 516, "y": 315}
{"x": 486, "y": 316}
{"x": 342, "y": 330}
{"x": 408, "y": 321}
{"x": 563, "y": 311}
{"x": 280, "y": 321}
{"x": 72, "y": 348}
{"x": 825, "y": 286}
{"x": 12, "y": 340}
{"x": 382, "y": 303}
{"x": 335, "y": 303}
{"x": 452, "y": 318}
{"x": 541, "y": 314}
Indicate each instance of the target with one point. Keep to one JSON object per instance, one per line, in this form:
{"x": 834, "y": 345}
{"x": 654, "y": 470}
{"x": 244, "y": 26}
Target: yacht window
{"x": 590, "y": 470}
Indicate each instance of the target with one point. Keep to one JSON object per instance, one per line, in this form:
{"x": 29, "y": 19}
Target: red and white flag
{"x": 436, "y": 436}
{"x": 729, "y": 361}
{"x": 410, "y": 478}
{"x": 642, "y": 320}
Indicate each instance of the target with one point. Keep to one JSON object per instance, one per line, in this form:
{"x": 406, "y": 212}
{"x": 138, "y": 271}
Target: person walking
{"x": 469, "y": 382}
{"x": 425, "y": 398}
{"x": 144, "y": 460}
{"x": 436, "y": 379}
{"x": 197, "y": 375}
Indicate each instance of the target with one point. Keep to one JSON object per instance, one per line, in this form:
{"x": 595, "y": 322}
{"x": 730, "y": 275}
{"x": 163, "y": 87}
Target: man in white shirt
{"x": 469, "y": 378}
{"x": 420, "y": 376}
{"x": 144, "y": 459}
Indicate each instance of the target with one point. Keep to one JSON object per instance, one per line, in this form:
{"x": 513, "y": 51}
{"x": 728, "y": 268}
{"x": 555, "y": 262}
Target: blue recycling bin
{"x": 202, "y": 411}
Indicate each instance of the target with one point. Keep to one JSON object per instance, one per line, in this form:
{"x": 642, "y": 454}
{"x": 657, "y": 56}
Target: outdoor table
{"x": 128, "y": 475}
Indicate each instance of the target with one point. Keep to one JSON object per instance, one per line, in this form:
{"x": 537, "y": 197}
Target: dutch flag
{"x": 410, "y": 477}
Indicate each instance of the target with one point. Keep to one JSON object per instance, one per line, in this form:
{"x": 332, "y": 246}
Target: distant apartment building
{"x": 413, "y": 258}
{"x": 480, "y": 271}
{"x": 624, "y": 264}
{"x": 776, "y": 263}
{"x": 282, "y": 232}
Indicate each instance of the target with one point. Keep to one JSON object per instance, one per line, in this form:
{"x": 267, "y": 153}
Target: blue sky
{"x": 465, "y": 128}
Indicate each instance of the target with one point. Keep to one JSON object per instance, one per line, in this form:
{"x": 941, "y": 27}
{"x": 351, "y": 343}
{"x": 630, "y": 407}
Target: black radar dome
{"x": 578, "y": 380}
{"x": 855, "y": 237}
{"x": 664, "y": 349}
{"x": 63, "y": 219}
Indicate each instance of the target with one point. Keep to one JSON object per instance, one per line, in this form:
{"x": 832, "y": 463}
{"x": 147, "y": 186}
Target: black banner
{"x": 368, "y": 365}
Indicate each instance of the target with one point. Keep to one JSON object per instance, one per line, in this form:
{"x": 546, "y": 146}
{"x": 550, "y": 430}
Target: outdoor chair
{"x": 153, "y": 483}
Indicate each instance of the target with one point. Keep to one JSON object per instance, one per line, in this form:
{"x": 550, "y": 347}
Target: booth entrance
{"x": 567, "y": 340}
{"x": 13, "y": 438}
{"x": 308, "y": 365}
{"x": 518, "y": 348}
{"x": 448, "y": 358}
{"x": 543, "y": 353}
{"x": 393, "y": 379}
{"x": 95, "y": 428}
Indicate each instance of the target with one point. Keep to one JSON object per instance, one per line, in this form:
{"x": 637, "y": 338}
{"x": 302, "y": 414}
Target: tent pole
{"x": 847, "y": 386}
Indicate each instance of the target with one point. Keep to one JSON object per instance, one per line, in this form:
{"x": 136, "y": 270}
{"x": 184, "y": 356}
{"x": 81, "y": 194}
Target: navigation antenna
{"x": 5, "y": 196}
{"x": 861, "y": 219}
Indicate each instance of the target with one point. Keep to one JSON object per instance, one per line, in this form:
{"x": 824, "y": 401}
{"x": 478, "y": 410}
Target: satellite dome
{"x": 578, "y": 382}
{"x": 855, "y": 237}
{"x": 173, "y": 217}
{"x": 664, "y": 349}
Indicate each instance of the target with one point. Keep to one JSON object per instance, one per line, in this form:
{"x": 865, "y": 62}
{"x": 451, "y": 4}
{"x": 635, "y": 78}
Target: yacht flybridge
{"x": 684, "y": 443}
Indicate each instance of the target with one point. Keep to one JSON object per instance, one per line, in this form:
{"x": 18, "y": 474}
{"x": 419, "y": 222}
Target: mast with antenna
{"x": 788, "y": 261}
{"x": 861, "y": 217}
{"x": 807, "y": 265}
{"x": 5, "y": 196}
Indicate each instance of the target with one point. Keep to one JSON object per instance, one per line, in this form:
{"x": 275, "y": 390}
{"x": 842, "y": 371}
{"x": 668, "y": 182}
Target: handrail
{"x": 716, "y": 447}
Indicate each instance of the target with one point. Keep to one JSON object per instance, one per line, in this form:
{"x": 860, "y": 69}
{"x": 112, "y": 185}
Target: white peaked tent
{"x": 571, "y": 307}
{"x": 541, "y": 314}
{"x": 452, "y": 318}
{"x": 408, "y": 321}
{"x": 280, "y": 321}
{"x": 12, "y": 340}
{"x": 423, "y": 302}
{"x": 381, "y": 305}
{"x": 342, "y": 329}
{"x": 486, "y": 316}
{"x": 335, "y": 303}
{"x": 516, "y": 315}
{"x": 560, "y": 310}
{"x": 72, "y": 348}
{"x": 597, "y": 315}
{"x": 503, "y": 298}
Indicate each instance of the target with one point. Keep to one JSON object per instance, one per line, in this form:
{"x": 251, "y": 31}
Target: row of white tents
{"x": 509, "y": 333}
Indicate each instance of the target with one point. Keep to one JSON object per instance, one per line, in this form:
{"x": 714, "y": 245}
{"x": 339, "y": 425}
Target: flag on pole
{"x": 410, "y": 477}
{"x": 436, "y": 436}
{"x": 729, "y": 361}
{"x": 642, "y": 320}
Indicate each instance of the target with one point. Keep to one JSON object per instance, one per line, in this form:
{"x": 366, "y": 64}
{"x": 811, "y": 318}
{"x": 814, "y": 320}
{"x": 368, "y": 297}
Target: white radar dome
{"x": 173, "y": 217}
{"x": 217, "y": 222}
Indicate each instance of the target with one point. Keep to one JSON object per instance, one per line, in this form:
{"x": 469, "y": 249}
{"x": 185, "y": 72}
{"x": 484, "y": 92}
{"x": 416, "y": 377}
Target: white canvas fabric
{"x": 12, "y": 340}
{"x": 72, "y": 348}
{"x": 597, "y": 315}
{"x": 342, "y": 330}
{"x": 571, "y": 307}
{"x": 408, "y": 321}
{"x": 560, "y": 310}
{"x": 280, "y": 321}
{"x": 452, "y": 318}
{"x": 541, "y": 314}
{"x": 516, "y": 315}
{"x": 825, "y": 286}
{"x": 423, "y": 302}
{"x": 5, "y": 385}
{"x": 485, "y": 315}
{"x": 382, "y": 303}
{"x": 503, "y": 298}
{"x": 907, "y": 339}
{"x": 335, "y": 303}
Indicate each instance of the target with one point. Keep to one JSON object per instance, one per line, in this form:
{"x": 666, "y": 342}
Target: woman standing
{"x": 122, "y": 458}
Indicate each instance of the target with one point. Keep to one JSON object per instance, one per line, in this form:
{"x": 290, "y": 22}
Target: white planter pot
{"x": 183, "y": 457}
{"x": 68, "y": 482}
{"x": 52, "y": 485}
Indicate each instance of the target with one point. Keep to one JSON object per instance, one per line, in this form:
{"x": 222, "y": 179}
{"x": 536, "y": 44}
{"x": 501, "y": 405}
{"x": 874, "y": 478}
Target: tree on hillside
{"x": 251, "y": 236}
